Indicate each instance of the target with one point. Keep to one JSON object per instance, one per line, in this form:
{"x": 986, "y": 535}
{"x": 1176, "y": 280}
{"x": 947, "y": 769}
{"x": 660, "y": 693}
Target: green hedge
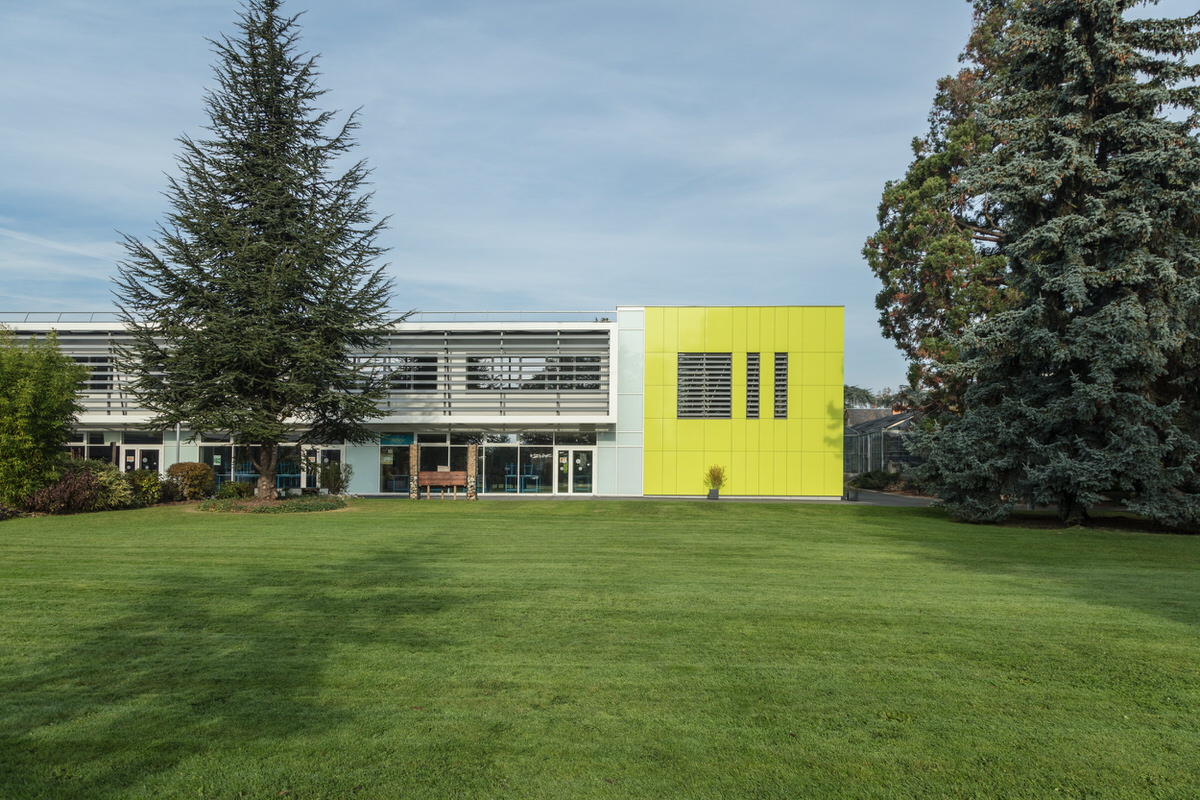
{"x": 299, "y": 505}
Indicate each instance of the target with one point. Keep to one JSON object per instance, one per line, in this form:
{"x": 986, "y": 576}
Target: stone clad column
{"x": 472, "y": 461}
{"x": 414, "y": 468}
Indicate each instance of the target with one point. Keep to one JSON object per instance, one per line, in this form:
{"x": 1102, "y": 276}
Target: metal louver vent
{"x": 705, "y": 386}
{"x": 781, "y": 380}
{"x": 752, "y": 367}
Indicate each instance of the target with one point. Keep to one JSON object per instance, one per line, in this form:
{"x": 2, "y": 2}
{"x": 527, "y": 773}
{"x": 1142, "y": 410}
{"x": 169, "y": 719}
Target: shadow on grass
{"x": 1125, "y": 567}
{"x": 235, "y": 659}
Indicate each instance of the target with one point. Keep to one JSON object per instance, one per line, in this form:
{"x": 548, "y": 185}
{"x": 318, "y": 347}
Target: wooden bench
{"x": 443, "y": 480}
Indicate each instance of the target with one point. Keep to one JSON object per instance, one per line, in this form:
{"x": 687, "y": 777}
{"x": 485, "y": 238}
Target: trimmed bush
{"x": 146, "y": 486}
{"x": 115, "y": 491}
{"x": 170, "y": 491}
{"x": 193, "y": 480}
{"x": 8, "y": 512}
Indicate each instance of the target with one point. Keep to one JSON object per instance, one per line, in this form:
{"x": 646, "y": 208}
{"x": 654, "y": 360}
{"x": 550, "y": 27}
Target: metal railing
{"x": 512, "y": 316}
{"x": 57, "y": 317}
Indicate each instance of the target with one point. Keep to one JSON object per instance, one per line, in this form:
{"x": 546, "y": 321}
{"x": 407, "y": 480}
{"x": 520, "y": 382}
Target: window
{"x": 413, "y": 373}
{"x": 705, "y": 386}
{"x": 781, "y": 379}
{"x": 752, "y": 360}
{"x": 143, "y": 437}
{"x": 536, "y": 372}
{"x": 100, "y": 378}
{"x": 494, "y": 373}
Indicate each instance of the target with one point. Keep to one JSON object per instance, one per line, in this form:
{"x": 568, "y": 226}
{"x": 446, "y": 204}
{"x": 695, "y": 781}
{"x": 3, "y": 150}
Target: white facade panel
{"x": 631, "y": 346}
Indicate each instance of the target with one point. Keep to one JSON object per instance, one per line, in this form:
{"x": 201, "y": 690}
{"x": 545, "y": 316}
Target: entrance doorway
{"x": 141, "y": 458}
{"x": 575, "y": 471}
{"x": 324, "y": 469}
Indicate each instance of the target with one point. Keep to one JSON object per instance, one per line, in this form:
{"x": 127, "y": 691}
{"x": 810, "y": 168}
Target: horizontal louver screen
{"x": 499, "y": 373}
{"x": 705, "y": 386}
{"x": 429, "y": 373}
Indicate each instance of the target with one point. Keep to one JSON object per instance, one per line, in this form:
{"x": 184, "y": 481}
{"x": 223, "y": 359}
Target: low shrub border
{"x": 254, "y": 506}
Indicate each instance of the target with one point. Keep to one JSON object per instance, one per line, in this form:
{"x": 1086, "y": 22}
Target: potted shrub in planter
{"x": 714, "y": 478}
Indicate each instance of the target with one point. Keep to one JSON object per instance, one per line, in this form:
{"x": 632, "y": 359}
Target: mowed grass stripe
{"x": 593, "y": 649}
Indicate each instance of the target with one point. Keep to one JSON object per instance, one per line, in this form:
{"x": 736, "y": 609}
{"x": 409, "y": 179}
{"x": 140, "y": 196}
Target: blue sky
{"x": 532, "y": 154}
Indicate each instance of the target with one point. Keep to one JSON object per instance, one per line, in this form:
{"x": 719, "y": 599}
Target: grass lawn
{"x": 599, "y": 649}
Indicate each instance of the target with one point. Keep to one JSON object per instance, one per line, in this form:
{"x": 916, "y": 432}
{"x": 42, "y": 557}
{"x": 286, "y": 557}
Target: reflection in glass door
{"x": 142, "y": 458}
{"x": 575, "y": 471}
{"x": 581, "y": 476}
{"x": 319, "y": 463}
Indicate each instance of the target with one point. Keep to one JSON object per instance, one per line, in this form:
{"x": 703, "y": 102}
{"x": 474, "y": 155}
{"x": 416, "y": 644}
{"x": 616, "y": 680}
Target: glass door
{"x": 581, "y": 473}
{"x": 142, "y": 458}
{"x": 324, "y": 469}
{"x": 393, "y": 469}
{"x": 575, "y": 471}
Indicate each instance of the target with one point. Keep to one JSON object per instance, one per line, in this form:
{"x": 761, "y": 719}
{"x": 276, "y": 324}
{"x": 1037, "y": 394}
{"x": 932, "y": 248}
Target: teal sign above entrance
{"x": 396, "y": 439}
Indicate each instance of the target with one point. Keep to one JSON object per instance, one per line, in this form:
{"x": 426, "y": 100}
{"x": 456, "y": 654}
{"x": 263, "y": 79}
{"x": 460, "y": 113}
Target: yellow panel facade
{"x": 718, "y": 328}
{"x": 835, "y": 334}
{"x": 690, "y": 335}
{"x": 800, "y": 455}
{"x": 738, "y": 321}
{"x": 753, "y": 329}
{"x": 810, "y": 338}
{"x": 653, "y": 467}
{"x": 670, "y": 332}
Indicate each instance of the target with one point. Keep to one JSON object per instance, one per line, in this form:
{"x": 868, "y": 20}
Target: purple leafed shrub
{"x": 73, "y": 493}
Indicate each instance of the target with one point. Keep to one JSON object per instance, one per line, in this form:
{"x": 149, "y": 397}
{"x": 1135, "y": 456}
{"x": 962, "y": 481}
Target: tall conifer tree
{"x": 248, "y": 306}
{"x": 938, "y": 247}
{"x": 1088, "y": 386}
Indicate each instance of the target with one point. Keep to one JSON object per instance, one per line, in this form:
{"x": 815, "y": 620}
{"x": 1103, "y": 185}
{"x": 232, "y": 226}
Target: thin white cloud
{"x": 532, "y": 153}
{"x": 98, "y": 252}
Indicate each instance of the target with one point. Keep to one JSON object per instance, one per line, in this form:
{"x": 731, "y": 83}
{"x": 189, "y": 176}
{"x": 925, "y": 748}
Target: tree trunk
{"x": 266, "y": 464}
{"x": 1071, "y": 512}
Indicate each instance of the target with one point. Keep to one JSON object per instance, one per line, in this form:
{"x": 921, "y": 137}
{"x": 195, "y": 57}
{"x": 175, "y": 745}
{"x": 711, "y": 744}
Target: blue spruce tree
{"x": 1088, "y": 386}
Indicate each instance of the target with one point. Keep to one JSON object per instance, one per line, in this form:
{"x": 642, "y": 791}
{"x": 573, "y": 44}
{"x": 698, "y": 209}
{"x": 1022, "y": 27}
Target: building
{"x": 636, "y": 402}
{"x": 877, "y": 440}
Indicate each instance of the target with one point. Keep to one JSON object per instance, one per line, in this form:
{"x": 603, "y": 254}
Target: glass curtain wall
{"x": 523, "y": 463}
{"x": 513, "y": 463}
{"x": 91, "y": 445}
{"x": 393, "y": 462}
{"x": 441, "y": 453}
{"x": 297, "y": 467}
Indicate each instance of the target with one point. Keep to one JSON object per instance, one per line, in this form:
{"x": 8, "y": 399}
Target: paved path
{"x": 884, "y": 499}
{"x": 865, "y": 498}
